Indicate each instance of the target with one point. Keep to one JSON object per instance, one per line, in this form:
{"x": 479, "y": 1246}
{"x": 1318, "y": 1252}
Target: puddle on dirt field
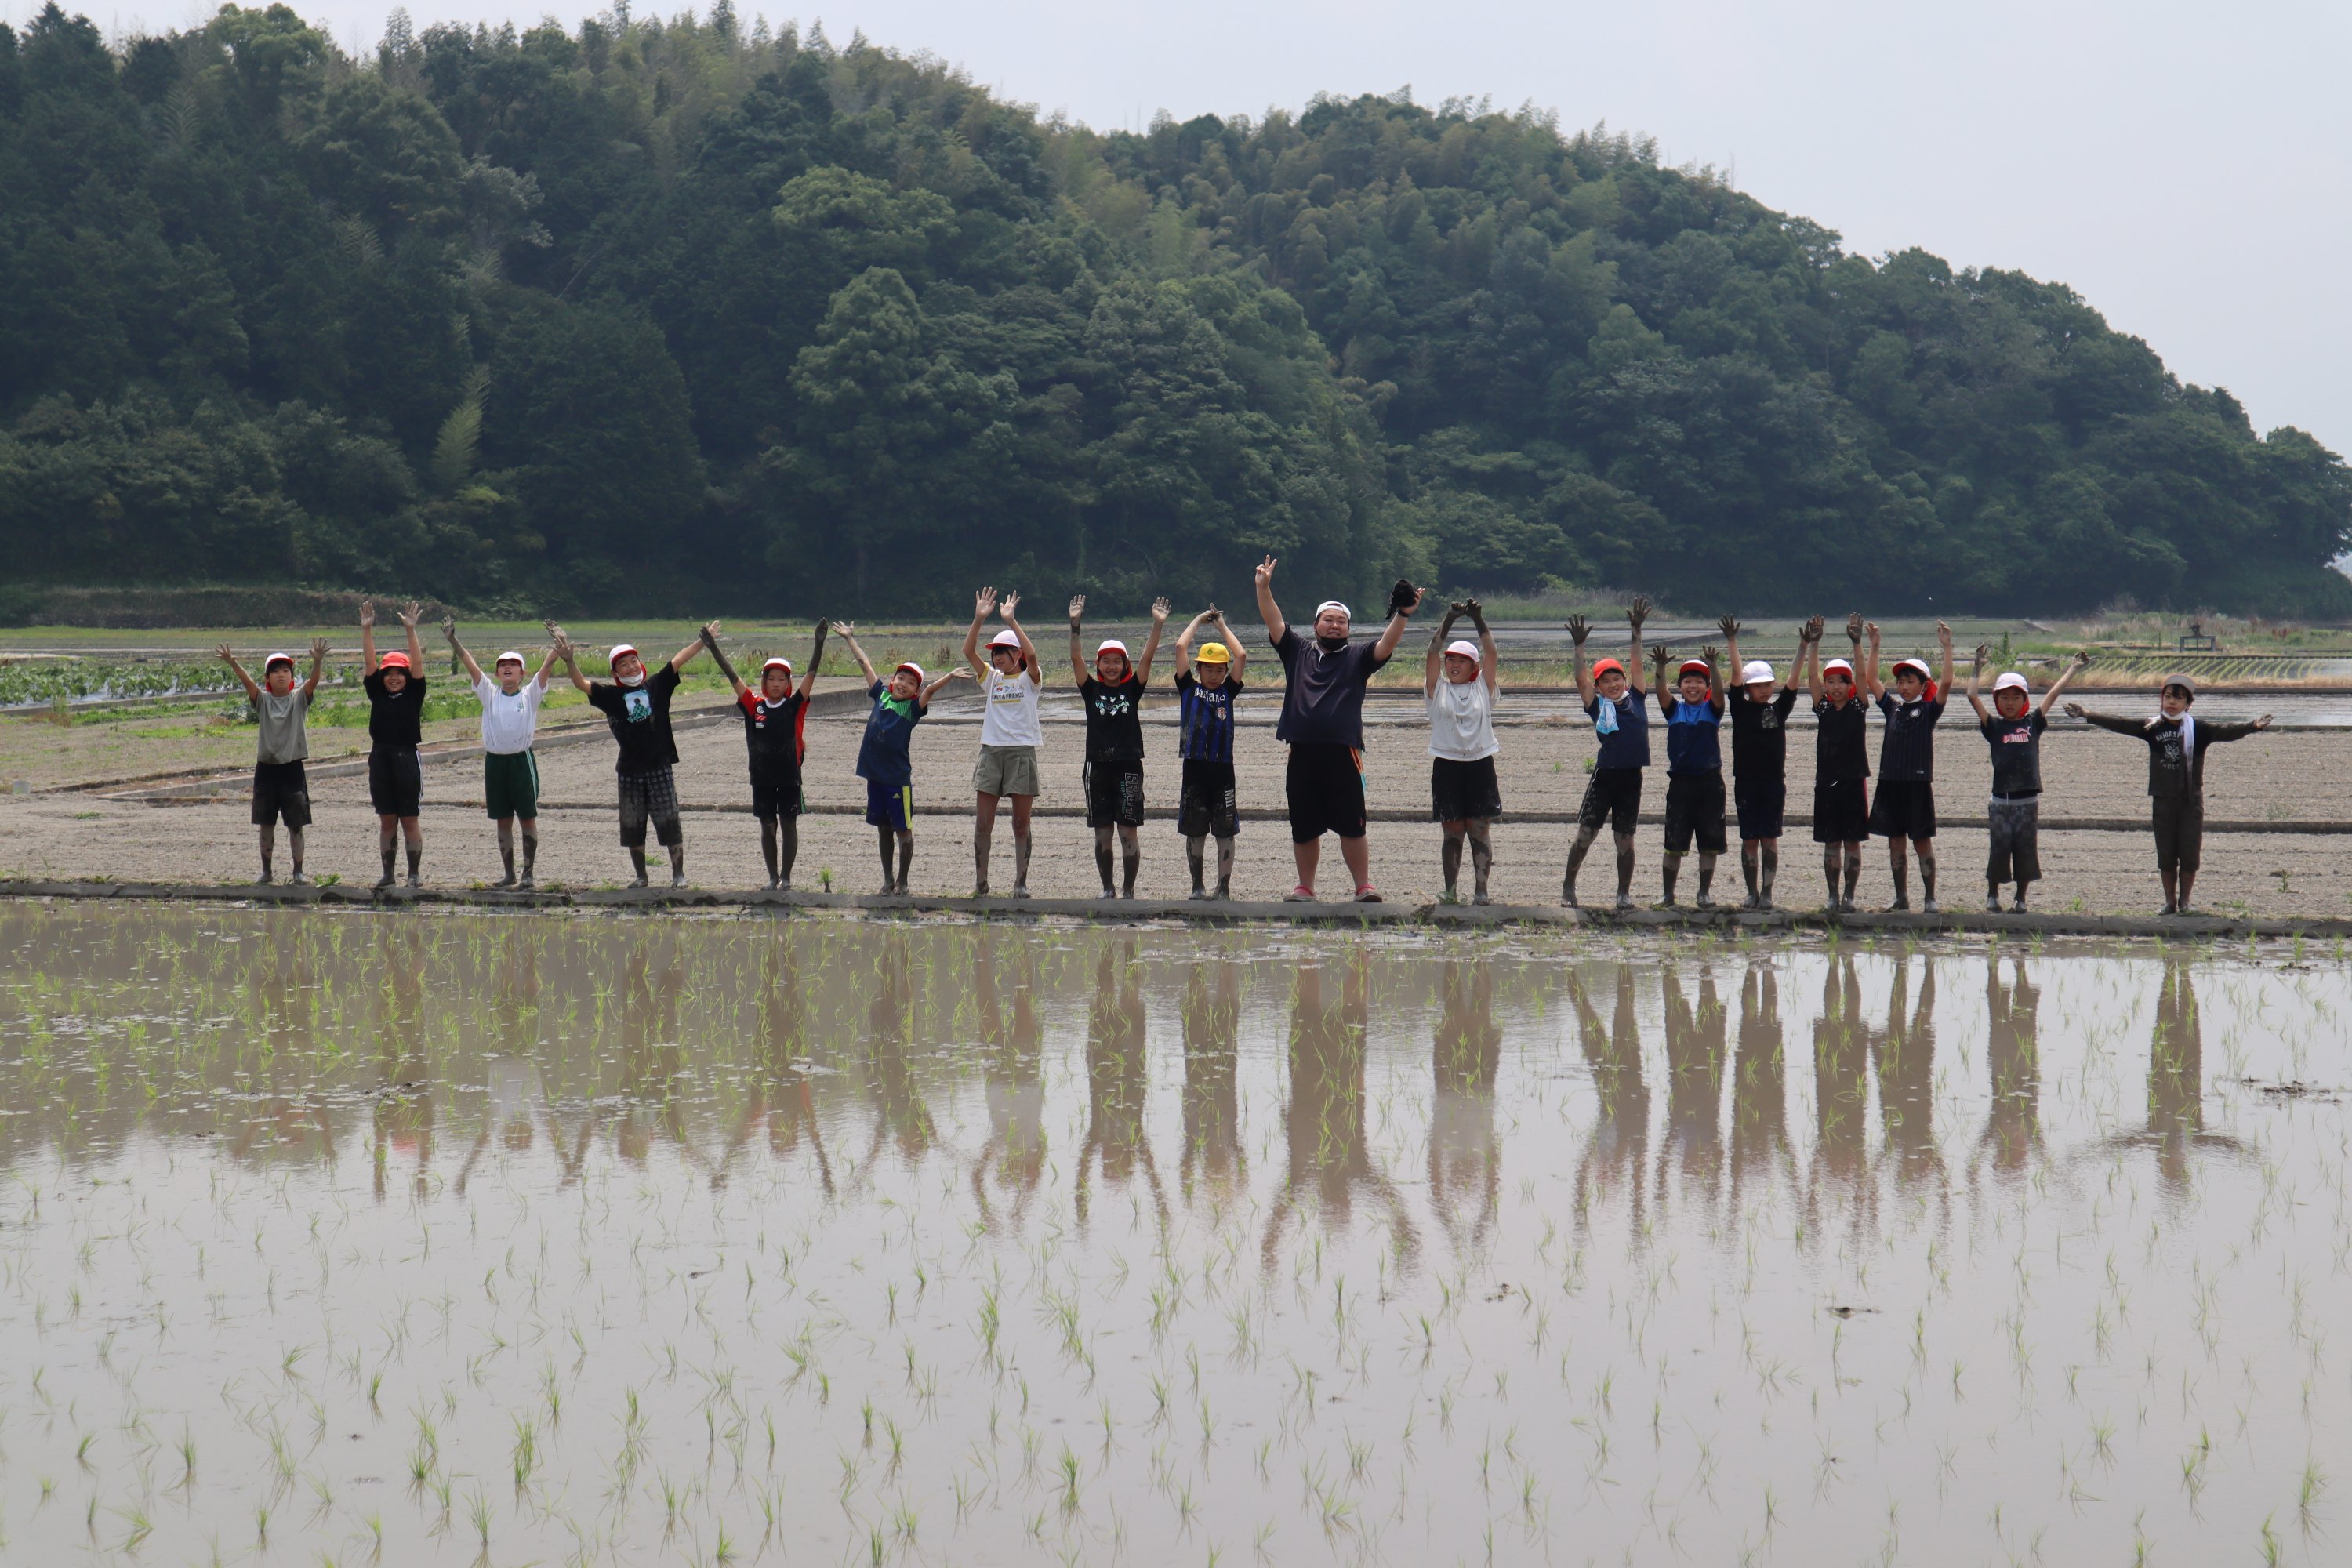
{"x": 422, "y": 1238}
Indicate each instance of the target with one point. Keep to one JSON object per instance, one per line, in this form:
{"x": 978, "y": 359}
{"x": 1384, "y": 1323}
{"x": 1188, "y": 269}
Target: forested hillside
{"x": 680, "y": 314}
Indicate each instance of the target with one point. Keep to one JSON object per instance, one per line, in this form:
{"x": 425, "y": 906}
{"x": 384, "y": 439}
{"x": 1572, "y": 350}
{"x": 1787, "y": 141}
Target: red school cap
{"x": 1605, "y": 666}
{"x": 393, "y": 661}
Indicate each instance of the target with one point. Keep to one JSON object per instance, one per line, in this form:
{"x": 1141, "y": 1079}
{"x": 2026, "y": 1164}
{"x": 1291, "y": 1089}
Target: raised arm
{"x": 1239, "y": 654}
{"x": 847, "y": 632}
{"x": 227, "y": 655}
{"x": 2073, "y": 667}
{"x": 367, "y": 636}
{"x": 1151, "y": 643}
{"x": 1487, "y": 670}
{"x": 1853, "y": 625}
{"x": 1579, "y": 629}
{"x": 1184, "y": 641}
{"x": 957, "y": 672}
{"x": 1635, "y": 614}
{"x": 1029, "y": 659}
{"x": 1808, "y": 644}
{"x": 1077, "y": 619}
{"x": 1944, "y": 675}
{"x": 1435, "y": 660}
{"x": 1664, "y": 685}
{"x": 571, "y": 657}
{"x": 1714, "y": 656}
{"x": 2209, "y": 732}
{"x": 1266, "y": 608}
{"x": 449, "y": 630}
{"x": 408, "y": 619}
{"x": 815, "y": 664}
{"x": 1400, "y": 610}
{"x": 545, "y": 664}
{"x": 317, "y": 667}
{"x": 1976, "y": 680}
{"x": 1871, "y": 683}
{"x": 707, "y": 638}
{"x": 2135, "y": 728}
{"x": 1730, "y": 625}
{"x": 983, "y": 604}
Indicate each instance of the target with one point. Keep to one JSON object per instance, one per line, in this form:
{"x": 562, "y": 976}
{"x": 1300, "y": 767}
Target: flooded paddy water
{"x": 453, "y": 1238}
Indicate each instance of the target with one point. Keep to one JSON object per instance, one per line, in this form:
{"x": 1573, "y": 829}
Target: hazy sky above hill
{"x": 2187, "y": 168}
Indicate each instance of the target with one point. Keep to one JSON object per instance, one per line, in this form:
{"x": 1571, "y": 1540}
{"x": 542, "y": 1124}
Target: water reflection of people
{"x": 1618, "y": 1151}
{"x": 1117, "y": 1079}
{"x": 1760, "y": 1090}
{"x": 1465, "y": 1161}
{"x": 2012, "y": 1132}
{"x": 2175, "y": 1077}
{"x": 900, "y": 1109}
{"x": 653, "y": 979}
{"x": 1213, "y": 1141}
{"x": 405, "y": 1091}
{"x": 1328, "y": 1149}
{"x": 1840, "y": 1096}
{"x": 1904, "y": 1052}
{"x": 1694, "y": 1058}
{"x": 1011, "y": 1062}
{"x": 779, "y": 1100}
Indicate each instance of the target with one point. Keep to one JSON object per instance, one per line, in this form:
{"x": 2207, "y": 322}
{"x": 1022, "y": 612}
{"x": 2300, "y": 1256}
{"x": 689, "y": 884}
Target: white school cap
{"x": 2013, "y": 681}
{"x": 1008, "y": 638}
{"x": 1838, "y": 666}
{"x": 1467, "y": 649}
{"x": 1110, "y": 645}
{"x": 778, "y": 663}
{"x": 509, "y": 657}
{"x": 618, "y": 649}
{"x": 910, "y": 664}
{"x": 1919, "y": 665}
{"x": 277, "y": 658}
{"x": 1333, "y": 604}
{"x": 1755, "y": 671}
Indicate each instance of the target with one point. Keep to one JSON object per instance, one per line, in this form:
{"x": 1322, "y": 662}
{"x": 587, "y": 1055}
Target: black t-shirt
{"x": 639, "y": 716}
{"x": 2016, "y": 753}
{"x": 774, "y": 732}
{"x": 1906, "y": 747}
{"x": 1759, "y": 735}
{"x": 1323, "y": 696}
{"x": 1114, "y": 719}
{"x": 396, "y": 719}
{"x": 1843, "y": 743}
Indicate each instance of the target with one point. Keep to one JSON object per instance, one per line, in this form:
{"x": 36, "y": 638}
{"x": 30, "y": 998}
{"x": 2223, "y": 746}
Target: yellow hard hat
{"x": 1213, "y": 653}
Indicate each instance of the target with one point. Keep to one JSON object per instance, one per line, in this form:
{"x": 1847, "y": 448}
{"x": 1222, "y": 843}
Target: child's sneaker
{"x": 1928, "y": 907}
{"x": 1703, "y": 902}
{"x": 1752, "y": 901}
{"x": 1020, "y": 890}
{"x": 265, "y": 878}
{"x": 1624, "y": 903}
{"x": 1481, "y": 897}
{"x": 677, "y": 878}
{"x": 299, "y": 879}
{"x": 1993, "y": 905}
{"x": 529, "y": 883}
{"x": 504, "y": 882}
{"x": 1368, "y": 894}
{"x": 1199, "y": 894}
{"x": 385, "y": 881}
{"x": 415, "y": 879}
{"x": 2019, "y": 907}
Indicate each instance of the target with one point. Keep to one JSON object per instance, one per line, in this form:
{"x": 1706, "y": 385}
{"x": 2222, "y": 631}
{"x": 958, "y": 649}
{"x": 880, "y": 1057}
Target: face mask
{"x": 637, "y": 679}
{"x": 1331, "y": 645}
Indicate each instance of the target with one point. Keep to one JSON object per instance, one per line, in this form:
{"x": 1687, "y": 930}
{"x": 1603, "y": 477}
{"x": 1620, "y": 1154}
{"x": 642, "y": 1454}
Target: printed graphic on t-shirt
{"x": 1113, "y": 702}
{"x": 639, "y": 704}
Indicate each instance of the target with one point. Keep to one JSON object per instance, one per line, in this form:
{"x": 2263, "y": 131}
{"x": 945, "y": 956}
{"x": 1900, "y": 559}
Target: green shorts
{"x": 511, "y": 784}
{"x": 1006, "y": 770}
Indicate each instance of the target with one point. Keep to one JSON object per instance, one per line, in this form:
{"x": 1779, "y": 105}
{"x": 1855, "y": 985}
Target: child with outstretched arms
{"x": 1209, "y": 801}
{"x": 635, "y": 705}
{"x": 2013, "y": 816}
{"x": 1610, "y": 691}
{"x": 1011, "y": 677}
{"x": 1458, "y": 681}
{"x": 1692, "y": 707}
{"x": 510, "y": 767}
{"x": 1906, "y": 806}
{"x": 1113, "y": 698}
{"x": 2177, "y": 743}
{"x": 1759, "y": 757}
{"x": 281, "y": 711}
{"x": 395, "y": 692}
{"x": 1841, "y": 766}
{"x": 775, "y": 736}
{"x": 886, "y": 757}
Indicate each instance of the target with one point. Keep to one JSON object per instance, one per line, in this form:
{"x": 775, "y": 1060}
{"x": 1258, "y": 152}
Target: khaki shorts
{"x": 1005, "y": 770}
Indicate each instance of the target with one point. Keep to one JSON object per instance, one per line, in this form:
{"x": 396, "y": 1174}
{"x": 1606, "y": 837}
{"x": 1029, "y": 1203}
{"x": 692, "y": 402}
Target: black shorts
{"x": 777, "y": 795}
{"x": 1905, "y": 808}
{"x": 1113, "y": 794}
{"x": 281, "y": 790}
{"x": 1463, "y": 791}
{"x": 395, "y": 781}
{"x": 1613, "y": 796}
{"x": 2179, "y": 822}
{"x": 1762, "y": 806}
{"x": 1841, "y": 811}
{"x": 1695, "y": 810}
{"x": 1324, "y": 787}
{"x": 1209, "y": 804}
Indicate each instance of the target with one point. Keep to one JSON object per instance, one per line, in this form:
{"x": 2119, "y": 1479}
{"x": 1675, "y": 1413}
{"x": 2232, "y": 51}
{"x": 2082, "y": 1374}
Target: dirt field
{"x": 2088, "y": 776}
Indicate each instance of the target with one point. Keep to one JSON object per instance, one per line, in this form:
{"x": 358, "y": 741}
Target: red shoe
{"x": 1368, "y": 894}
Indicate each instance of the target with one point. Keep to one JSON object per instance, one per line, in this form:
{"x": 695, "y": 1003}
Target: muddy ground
{"x": 2089, "y": 776}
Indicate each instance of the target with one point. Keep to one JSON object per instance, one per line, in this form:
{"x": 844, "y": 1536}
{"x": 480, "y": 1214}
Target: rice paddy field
{"x": 355, "y": 1237}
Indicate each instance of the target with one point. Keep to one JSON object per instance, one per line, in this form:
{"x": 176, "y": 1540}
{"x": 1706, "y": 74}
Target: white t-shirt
{"x": 509, "y": 723}
{"x": 1011, "y": 717}
{"x": 1462, "y": 721}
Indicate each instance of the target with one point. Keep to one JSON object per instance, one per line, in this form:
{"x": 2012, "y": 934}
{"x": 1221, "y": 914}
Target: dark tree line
{"x": 662, "y": 311}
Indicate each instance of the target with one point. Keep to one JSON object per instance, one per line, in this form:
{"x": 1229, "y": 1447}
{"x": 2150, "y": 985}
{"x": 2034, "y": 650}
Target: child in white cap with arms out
{"x": 281, "y": 788}
{"x": 1905, "y": 807}
{"x": 635, "y": 705}
{"x": 1759, "y": 758}
{"x": 1010, "y": 677}
{"x": 2013, "y": 729}
{"x": 1458, "y": 682}
{"x": 1113, "y": 698}
{"x": 510, "y": 767}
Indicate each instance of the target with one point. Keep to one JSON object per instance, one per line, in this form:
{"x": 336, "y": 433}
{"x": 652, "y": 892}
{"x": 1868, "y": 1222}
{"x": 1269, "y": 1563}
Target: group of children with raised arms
{"x": 1326, "y": 677}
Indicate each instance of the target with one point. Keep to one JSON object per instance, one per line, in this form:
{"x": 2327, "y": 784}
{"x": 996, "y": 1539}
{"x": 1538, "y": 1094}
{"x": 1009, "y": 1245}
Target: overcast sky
{"x": 2187, "y": 168}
